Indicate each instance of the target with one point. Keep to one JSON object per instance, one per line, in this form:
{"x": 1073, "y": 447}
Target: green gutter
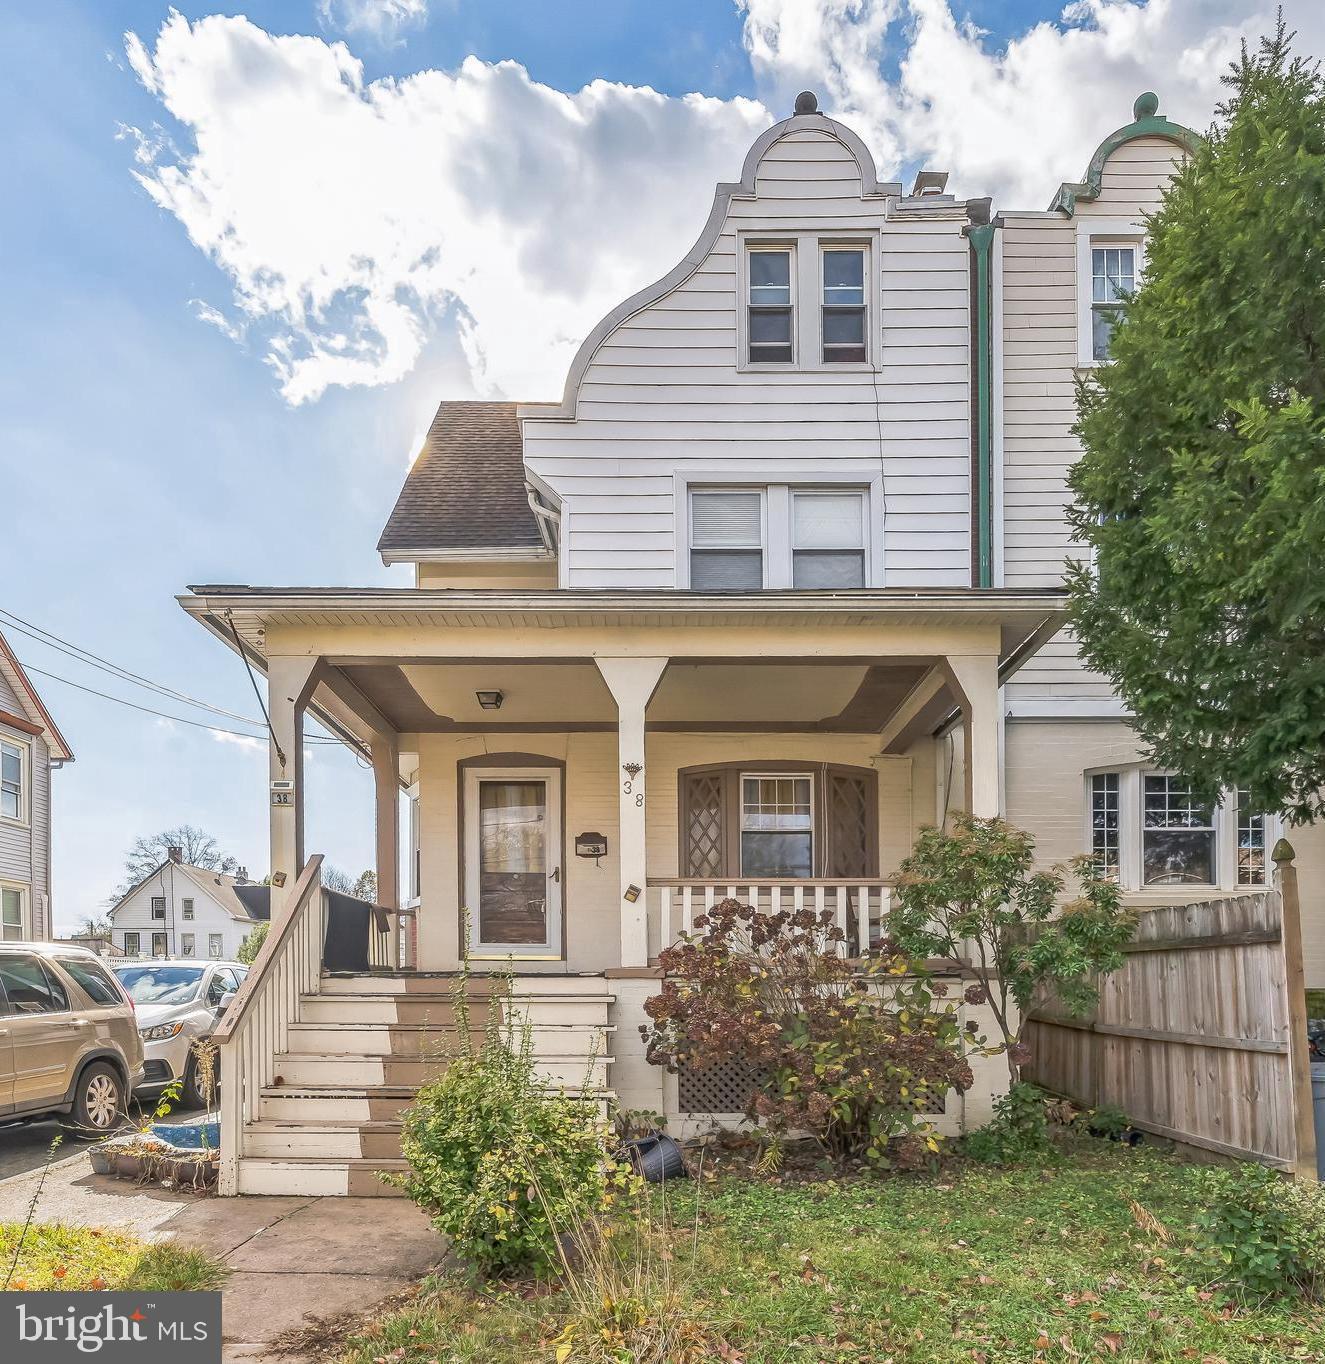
{"x": 982, "y": 242}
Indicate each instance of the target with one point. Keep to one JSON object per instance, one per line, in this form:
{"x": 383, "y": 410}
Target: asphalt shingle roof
{"x": 466, "y": 490}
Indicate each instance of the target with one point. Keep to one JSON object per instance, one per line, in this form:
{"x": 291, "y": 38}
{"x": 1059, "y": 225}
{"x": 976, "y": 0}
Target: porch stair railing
{"x": 256, "y": 1026}
{"x": 859, "y": 906}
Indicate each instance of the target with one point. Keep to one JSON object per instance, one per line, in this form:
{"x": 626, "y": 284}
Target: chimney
{"x": 241, "y": 876}
{"x": 175, "y": 854}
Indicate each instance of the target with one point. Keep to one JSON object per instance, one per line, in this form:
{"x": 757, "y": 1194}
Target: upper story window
{"x": 726, "y": 540}
{"x": 187, "y": 908}
{"x": 158, "y": 906}
{"x": 828, "y": 539}
{"x": 769, "y": 326}
{"x": 11, "y": 780}
{"x": 743, "y": 539}
{"x": 1112, "y": 278}
{"x": 843, "y": 318}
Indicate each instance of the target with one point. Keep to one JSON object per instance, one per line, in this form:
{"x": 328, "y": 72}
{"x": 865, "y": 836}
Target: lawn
{"x": 1086, "y": 1257}
{"x": 75, "y": 1258}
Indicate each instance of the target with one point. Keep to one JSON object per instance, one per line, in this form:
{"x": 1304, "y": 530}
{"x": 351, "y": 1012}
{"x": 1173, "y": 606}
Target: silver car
{"x": 69, "y": 1043}
{"x": 179, "y": 1003}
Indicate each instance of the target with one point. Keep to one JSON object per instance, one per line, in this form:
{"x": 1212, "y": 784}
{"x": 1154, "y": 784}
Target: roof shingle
{"x": 466, "y": 490}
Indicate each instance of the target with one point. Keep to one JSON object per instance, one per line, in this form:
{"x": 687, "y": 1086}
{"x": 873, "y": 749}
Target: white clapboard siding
{"x": 663, "y": 394}
{"x": 1039, "y": 335}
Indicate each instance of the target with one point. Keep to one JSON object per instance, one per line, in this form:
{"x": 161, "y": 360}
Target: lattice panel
{"x": 848, "y": 813}
{"x": 703, "y": 805}
{"x": 721, "y": 1088}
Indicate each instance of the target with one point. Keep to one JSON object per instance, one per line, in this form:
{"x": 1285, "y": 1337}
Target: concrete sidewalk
{"x": 290, "y": 1258}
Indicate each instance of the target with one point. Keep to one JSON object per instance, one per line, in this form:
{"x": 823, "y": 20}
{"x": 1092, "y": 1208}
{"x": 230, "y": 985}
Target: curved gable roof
{"x": 36, "y": 713}
{"x": 1147, "y": 121}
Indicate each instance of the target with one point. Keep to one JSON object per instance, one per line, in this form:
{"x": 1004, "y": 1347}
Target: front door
{"x": 513, "y": 861}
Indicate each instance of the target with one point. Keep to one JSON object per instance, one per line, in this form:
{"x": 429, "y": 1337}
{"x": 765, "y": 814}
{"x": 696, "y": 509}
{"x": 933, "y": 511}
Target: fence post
{"x": 1299, "y": 1058}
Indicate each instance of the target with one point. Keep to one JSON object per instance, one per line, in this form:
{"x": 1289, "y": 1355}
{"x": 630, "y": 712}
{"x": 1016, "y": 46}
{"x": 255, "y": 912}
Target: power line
{"x": 86, "y": 656}
{"x": 147, "y": 710}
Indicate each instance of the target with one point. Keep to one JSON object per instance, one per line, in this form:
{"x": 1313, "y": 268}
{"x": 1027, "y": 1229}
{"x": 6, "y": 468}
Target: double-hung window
{"x": 1112, "y": 279}
{"x": 727, "y": 539}
{"x": 158, "y": 906}
{"x": 843, "y": 316}
{"x": 11, "y": 780}
{"x": 186, "y": 944}
{"x": 769, "y": 309}
{"x": 131, "y": 947}
{"x": 214, "y": 945}
{"x": 11, "y": 914}
{"x": 1177, "y": 835}
{"x": 1251, "y": 843}
{"x": 828, "y": 539}
{"x": 186, "y": 908}
{"x": 1105, "y": 825}
{"x": 777, "y": 825}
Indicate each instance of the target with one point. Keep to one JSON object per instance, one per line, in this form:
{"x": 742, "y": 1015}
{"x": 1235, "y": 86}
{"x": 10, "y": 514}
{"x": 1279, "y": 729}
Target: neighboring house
{"x": 776, "y": 583}
{"x": 102, "y": 946}
{"x": 180, "y": 910}
{"x": 30, "y": 748}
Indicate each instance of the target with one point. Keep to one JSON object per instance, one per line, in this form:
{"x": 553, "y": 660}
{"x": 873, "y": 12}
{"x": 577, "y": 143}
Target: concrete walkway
{"x": 291, "y": 1259}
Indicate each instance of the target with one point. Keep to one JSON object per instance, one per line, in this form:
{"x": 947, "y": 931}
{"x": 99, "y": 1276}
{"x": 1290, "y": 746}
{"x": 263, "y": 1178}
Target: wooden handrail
{"x": 310, "y": 877}
{"x": 775, "y": 882}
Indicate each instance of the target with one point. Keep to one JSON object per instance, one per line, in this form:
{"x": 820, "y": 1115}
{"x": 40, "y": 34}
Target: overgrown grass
{"x": 1087, "y": 1257}
{"x": 77, "y": 1258}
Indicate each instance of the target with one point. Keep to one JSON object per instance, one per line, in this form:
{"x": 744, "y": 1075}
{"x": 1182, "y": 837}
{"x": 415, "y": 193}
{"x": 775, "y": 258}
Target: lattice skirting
{"x": 724, "y": 1088}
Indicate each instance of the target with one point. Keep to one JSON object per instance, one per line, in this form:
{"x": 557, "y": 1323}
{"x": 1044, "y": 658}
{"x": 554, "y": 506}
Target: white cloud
{"x": 354, "y": 218}
{"x": 244, "y": 741}
{"x": 383, "y": 19}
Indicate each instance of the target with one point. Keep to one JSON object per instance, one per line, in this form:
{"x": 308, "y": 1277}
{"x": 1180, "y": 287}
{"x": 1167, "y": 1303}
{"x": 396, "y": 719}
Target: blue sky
{"x": 143, "y": 449}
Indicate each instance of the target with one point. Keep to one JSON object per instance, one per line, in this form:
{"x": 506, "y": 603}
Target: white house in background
{"x": 185, "y": 911}
{"x": 30, "y": 746}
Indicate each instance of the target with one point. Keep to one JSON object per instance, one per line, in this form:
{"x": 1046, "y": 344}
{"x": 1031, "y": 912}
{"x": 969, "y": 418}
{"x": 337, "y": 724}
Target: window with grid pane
{"x": 131, "y": 944}
{"x": 843, "y": 305}
{"x": 11, "y": 914}
{"x": 158, "y": 906}
{"x": 769, "y": 309}
{"x": 726, "y": 540}
{"x": 11, "y": 781}
{"x": 1177, "y": 833}
{"x": 777, "y": 825}
{"x": 828, "y": 539}
{"x": 1251, "y": 843}
{"x": 1112, "y": 278}
{"x": 1105, "y": 824}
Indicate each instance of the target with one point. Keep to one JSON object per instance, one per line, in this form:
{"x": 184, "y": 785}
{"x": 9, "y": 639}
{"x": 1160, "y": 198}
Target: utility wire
{"x": 81, "y": 655}
{"x": 147, "y": 710}
{"x": 239, "y": 645}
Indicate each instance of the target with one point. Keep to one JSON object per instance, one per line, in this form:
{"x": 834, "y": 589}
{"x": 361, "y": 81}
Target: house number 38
{"x": 628, "y": 787}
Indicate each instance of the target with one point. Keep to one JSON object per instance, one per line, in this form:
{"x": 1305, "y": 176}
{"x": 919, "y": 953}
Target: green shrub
{"x": 1264, "y": 1233}
{"x": 507, "y": 1170}
{"x": 1108, "y": 1120}
{"x": 252, "y": 945}
{"x": 1019, "y": 1130}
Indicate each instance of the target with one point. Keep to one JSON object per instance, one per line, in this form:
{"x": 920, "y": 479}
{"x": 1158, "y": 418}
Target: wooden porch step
{"x": 327, "y": 1139}
{"x": 427, "y": 1040}
{"x": 419, "y": 1007}
{"x": 310, "y": 1176}
{"x": 442, "y": 984}
{"x": 375, "y": 1071}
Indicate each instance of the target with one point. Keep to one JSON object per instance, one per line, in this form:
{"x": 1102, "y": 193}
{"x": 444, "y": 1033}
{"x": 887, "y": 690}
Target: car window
{"x": 30, "y": 987}
{"x": 160, "y": 982}
{"x": 93, "y": 979}
{"x": 218, "y": 986}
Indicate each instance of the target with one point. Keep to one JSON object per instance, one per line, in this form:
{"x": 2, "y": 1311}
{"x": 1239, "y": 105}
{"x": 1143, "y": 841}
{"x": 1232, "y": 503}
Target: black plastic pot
{"x": 656, "y": 1157}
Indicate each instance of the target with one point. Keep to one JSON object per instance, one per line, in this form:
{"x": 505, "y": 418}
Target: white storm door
{"x": 513, "y": 872}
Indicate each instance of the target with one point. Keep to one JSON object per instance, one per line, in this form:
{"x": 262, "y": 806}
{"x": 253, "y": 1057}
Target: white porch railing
{"x": 859, "y": 907}
{"x": 256, "y": 1026}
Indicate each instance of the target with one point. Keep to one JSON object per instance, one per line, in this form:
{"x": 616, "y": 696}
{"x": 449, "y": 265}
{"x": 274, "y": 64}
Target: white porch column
{"x": 385, "y": 751}
{"x": 632, "y": 682}
{"x": 974, "y": 677}
{"x": 290, "y": 682}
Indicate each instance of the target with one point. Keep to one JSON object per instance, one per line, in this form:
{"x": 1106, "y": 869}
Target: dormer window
{"x": 843, "y": 321}
{"x": 1112, "y": 278}
{"x": 770, "y": 307}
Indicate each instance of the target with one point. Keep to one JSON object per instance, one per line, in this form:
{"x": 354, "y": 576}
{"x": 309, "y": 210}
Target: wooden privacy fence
{"x": 1201, "y": 1036}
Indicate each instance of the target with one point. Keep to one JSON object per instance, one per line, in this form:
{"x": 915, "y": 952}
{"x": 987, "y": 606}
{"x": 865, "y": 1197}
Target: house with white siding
{"x": 777, "y": 582}
{"x": 182, "y": 911}
{"x": 31, "y": 748}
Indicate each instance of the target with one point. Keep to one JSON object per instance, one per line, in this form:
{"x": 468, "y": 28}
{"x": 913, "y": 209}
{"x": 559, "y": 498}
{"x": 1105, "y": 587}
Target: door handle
{"x": 556, "y": 873}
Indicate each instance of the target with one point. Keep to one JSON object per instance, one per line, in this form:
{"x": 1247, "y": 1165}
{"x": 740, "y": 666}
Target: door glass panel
{"x": 777, "y": 826}
{"x": 30, "y": 989}
{"x": 513, "y": 837}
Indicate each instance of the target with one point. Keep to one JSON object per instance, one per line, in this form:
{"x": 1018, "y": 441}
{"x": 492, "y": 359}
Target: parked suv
{"x": 69, "y": 1041}
{"x": 178, "y": 1002}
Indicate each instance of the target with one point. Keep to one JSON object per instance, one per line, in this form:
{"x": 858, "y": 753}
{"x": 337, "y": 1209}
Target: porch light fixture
{"x": 490, "y": 700}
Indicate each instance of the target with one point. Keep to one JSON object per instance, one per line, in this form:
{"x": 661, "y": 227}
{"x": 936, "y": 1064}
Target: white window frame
{"x": 186, "y": 944}
{"x": 216, "y": 947}
{"x": 414, "y": 867}
{"x": 807, "y": 250}
{"x": 152, "y": 910}
{"x": 186, "y": 910}
{"x": 24, "y": 779}
{"x": 1100, "y": 232}
{"x": 24, "y": 911}
{"x": 741, "y": 830}
{"x": 1131, "y": 835}
{"x": 764, "y": 546}
{"x": 777, "y": 514}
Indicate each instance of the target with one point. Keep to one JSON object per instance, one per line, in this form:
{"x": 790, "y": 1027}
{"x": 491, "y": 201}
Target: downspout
{"x": 981, "y": 235}
{"x": 549, "y": 522}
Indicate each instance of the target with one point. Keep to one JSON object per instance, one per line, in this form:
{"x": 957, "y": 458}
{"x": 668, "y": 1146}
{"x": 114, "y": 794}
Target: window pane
{"x": 811, "y": 568}
{"x": 11, "y": 764}
{"x": 726, "y": 570}
{"x": 186, "y": 945}
{"x": 731, "y": 519}
{"x": 30, "y": 989}
{"x": 770, "y": 278}
{"x": 214, "y": 946}
{"x": 775, "y": 854}
{"x": 844, "y": 277}
{"x": 11, "y": 915}
{"x": 1105, "y": 824}
{"x": 131, "y": 944}
{"x": 1102, "y": 322}
{"x": 1251, "y": 844}
{"x": 776, "y": 803}
{"x": 844, "y": 326}
{"x": 828, "y": 520}
{"x": 1178, "y": 857}
{"x": 93, "y": 980}
{"x": 1113, "y": 273}
{"x": 770, "y": 326}
{"x": 1170, "y": 803}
